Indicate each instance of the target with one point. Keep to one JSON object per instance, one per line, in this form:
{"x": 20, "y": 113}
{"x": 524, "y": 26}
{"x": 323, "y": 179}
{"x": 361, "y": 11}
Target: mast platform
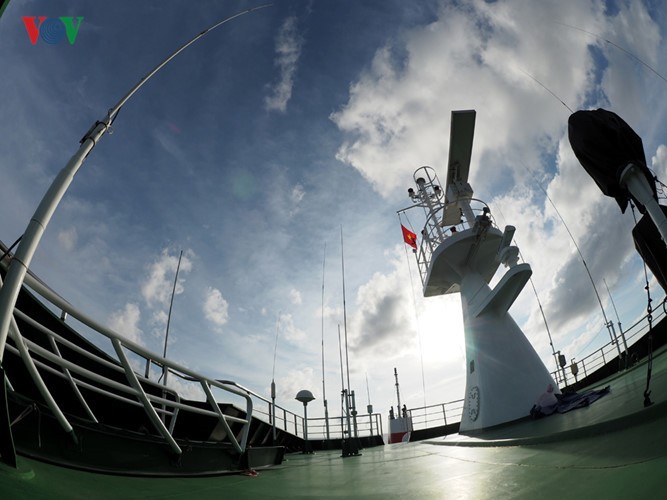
{"x": 460, "y": 251}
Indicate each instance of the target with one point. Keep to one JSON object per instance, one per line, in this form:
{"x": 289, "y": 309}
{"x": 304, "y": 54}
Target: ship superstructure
{"x": 459, "y": 251}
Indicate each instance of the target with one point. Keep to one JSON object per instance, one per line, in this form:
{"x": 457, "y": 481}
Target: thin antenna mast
{"x": 42, "y": 216}
{"x": 539, "y": 303}
{"x": 342, "y": 263}
{"x": 607, "y": 323}
{"x": 165, "y": 371}
{"x": 351, "y": 405}
{"x": 620, "y": 328}
{"x": 548, "y": 90}
{"x": 369, "y": 407}
{"x": 343, "y": 392}
{"x": 544, "y": 318}
{"x": 324, "y": 390}
{"x": 273, "y": 380}
{"x": 617, "y": 46}
{"x": 398, "y": 393}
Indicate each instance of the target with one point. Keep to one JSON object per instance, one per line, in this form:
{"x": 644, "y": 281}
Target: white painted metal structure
{"x": 158, "y": 409}
{"x": 460, "y": 251}
{"x": 400, "y": 425}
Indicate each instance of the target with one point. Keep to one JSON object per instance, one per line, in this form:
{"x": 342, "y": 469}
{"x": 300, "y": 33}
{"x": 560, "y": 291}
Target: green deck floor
{"x": 612, "y": 449}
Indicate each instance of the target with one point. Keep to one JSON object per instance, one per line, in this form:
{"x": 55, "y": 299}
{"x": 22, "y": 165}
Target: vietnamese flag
{"x": 409, "y": 237}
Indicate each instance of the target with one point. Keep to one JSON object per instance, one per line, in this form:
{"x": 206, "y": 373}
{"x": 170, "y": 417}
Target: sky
{"x": 258, "y": 146}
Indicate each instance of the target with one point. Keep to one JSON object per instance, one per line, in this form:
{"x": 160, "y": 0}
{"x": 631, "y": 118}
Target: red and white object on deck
{"x": 400, "y": 429}
{"x": 400, "y": 424}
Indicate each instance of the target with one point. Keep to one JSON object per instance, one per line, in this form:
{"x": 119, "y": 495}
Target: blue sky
{"x": 252, "y": 148}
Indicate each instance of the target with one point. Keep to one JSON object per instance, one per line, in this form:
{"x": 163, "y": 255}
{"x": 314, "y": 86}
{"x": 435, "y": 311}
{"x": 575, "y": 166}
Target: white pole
{"x": 324, "y": 388}
{"x": 33, "y": 233}
{"x": 635, "y": 182}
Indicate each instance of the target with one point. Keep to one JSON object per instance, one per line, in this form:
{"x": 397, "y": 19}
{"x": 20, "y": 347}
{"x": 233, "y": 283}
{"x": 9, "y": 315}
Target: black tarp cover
{"x": 604, "y": 144}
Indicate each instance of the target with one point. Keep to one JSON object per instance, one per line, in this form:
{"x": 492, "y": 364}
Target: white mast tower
{"x": 460, "y": 251}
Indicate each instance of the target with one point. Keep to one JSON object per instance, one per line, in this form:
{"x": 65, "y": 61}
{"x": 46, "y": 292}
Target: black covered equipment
{"x": 605, "y": 144}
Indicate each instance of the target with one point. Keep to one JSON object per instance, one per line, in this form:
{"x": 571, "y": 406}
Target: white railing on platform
{"x": 434, "y": 234}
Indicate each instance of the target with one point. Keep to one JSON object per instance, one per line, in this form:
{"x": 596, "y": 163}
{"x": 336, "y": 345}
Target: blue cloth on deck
{"x": 569, "y": 401}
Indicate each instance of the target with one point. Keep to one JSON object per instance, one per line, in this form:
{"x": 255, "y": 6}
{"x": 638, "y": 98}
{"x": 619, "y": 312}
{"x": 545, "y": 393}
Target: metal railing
{"x": 425, "y": 417}
{"x": 136, "y": 390}
{"x": 367, "y": 425}
{"x": 598, "y": 358}
{"x": 434, "y": 234}
{"x": 161, "y": 406}
{"x": 163, "y": 409}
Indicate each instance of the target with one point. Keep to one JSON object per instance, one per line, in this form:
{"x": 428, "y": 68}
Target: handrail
{"x": 39, "y": 382}
{"x": 600, "y": 356}
{"x": 82, "y": 371}
{"x": 223, "y": 420}
{"x": 134, "y": 383}
{"x": 365, "y": 426}
{"x": 72, "y": 383}
{"x": 151, "y": 402}
{"x": 433, "y": 234}
{"x": 444, "y": 414}
{"x": 139, "y": 392}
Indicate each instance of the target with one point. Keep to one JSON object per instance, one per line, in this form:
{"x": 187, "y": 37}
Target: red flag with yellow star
{"x": 409, "y": 237}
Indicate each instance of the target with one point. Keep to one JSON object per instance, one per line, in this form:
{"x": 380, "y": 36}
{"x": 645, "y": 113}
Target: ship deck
{"x": 614, "y": 448}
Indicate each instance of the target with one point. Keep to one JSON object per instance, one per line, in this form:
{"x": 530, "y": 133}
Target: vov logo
{"x": 52, "y": 30}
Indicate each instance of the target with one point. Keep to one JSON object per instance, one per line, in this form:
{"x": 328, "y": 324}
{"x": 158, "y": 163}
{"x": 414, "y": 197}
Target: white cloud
{"x": 659, "y": 162}
{"x": 297, "y": 379}
{"x": 186, "y": 389}
{"x": 159, "y": 283}
{"x": 296, "y": 196}
{"x": 68, "y": 238}
{"x": 297, "y": 193}
{"x": 471, "y": 54}
{"x": 159, "y": 319}
{"x": 288, "y": 50}
{"x": 384, "y": 322}
{"x": 398, "y": 114}
{"x": 126, "y": 322}
{"x": 216, "y": 308}
{"x": 295, "y": 296}
{"x": 288, "y": 330}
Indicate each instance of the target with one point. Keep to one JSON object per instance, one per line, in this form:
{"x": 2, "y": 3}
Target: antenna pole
{"x": 42, "y": 216}
{"x": 165, "y": 371}
{"x": 369, "y": 407}
{"x": 344, "y": 410}
{"x": 620, "y": 328}
{"x": 324, "y": 389}
{"x": 350, "y": 394}
{"x": 607, "y": 323}
{"x": 398, "y": 394}
{"x": 342, "y": 263}
{"x": 273, "y": 380}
